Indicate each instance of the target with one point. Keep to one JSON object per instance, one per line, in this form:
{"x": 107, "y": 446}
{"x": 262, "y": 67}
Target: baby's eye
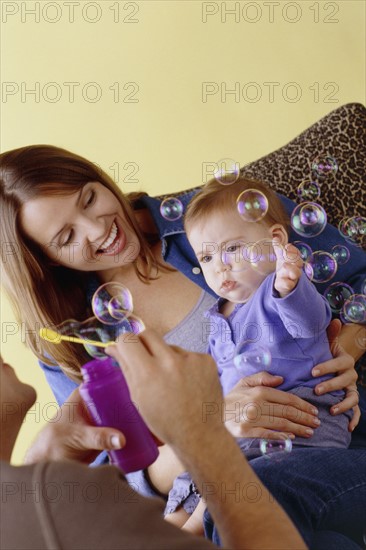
{"x": 232, "y": 248}
{"x": 69, "y": 238}
{"x": 205, "y": 259}
{"x": 91, "y": 198}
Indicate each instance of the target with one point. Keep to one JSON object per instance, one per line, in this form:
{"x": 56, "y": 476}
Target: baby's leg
{"x": 194, "y": 523}
{"x": 178, "y": 518}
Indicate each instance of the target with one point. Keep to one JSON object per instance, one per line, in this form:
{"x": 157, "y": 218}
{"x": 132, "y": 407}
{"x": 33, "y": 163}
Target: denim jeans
{"x": 322, "y": 490}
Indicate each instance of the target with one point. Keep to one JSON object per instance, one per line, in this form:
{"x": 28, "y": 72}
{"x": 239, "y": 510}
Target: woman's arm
{"x": 342, "y": 365}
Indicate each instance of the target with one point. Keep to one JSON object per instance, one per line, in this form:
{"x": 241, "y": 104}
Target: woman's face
{"x": 85, "y": 231}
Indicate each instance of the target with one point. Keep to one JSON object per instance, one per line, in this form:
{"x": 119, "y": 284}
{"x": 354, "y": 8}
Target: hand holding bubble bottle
{"x": 104, "y": 389}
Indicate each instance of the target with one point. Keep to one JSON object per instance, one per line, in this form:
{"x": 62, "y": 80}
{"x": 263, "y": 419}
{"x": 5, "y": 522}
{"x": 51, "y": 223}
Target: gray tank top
{"x": 189, "y": 334}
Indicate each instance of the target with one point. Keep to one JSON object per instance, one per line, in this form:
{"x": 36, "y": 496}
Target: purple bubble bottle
{"x": 106, "y": 395}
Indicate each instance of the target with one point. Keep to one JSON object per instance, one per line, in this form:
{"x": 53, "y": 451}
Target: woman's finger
{"x": 351, "y": 400}
{"x": 339, "y": 382}
{"x": 273, "y": 396}
{"x": 270, "y": 424}
{"x": 335, "y": 365}
{"x": 355, "y": 419}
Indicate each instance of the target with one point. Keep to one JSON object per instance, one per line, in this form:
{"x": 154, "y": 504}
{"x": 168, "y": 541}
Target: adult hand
{"x": 254, "y": 408}
{"x": 171, "y": 387}
{"x": 342, "y": 365}
{"x": 71, "y": 435}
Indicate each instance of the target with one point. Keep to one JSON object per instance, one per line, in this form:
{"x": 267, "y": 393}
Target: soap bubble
{"x": 112, "y": 302}
{"x": 234, "y": 254}
{"x": 321, "y": 267}
{"x": 308, "y": 219}
{"x": 337, "y": 294}
{"x": 136, "y": 324}
{"x": 341, "y": 254}
{"x": 227, "y": 171}
{"x": 252, "y": 205}
{"x": 363, "y": 287}
{"x": 95, "y": 330}
{"x": 250, "y": 357}
{"x": 262, "y": 256}
{"x": 308, "y": 190}
{"x": 354, "y": 309}
{"x": 273, "y": 447}
{"x": 324, "y": 166}
{"x": 353, "y": 230}
{"x": 304, "y": 249}
{"x": 171, "y": 209}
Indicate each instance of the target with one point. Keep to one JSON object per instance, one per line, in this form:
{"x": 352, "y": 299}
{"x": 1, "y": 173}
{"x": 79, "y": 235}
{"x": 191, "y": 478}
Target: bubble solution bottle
{"x": 106, "y": 395}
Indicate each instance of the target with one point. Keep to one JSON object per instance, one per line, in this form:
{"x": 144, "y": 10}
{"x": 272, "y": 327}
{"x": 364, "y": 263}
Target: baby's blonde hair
{"x": 221, "y": 197}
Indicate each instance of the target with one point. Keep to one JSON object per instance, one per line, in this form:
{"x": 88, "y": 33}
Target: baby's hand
{"x": 288, "y": 267}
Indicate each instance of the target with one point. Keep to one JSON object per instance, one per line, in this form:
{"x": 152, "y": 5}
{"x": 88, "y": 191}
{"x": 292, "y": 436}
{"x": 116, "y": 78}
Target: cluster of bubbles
{"x": 343, "y": 301}
{"x": 308, "y": 220}
{"x": 112, "y": 306}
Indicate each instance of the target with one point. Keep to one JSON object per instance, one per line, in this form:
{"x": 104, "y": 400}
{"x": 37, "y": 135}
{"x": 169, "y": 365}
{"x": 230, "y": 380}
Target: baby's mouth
{"x": 227, "y": 286}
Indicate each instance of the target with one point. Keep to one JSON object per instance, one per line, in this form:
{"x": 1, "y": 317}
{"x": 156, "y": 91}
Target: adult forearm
{"x": 245, "y": 513}
{"x": 353, "y": 339}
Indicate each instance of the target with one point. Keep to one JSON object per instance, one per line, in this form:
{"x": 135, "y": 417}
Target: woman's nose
{"x": 94, "y": 228}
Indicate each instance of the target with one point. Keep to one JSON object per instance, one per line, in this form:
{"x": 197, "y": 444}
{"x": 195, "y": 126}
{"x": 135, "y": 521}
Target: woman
{"x": 73, "y": 229}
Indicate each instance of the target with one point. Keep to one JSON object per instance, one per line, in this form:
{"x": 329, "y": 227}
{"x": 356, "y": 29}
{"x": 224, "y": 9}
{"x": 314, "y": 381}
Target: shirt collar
{"x": 166, "y": 227}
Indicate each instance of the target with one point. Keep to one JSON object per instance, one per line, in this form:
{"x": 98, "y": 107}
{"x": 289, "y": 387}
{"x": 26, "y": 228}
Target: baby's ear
{"x": 279, "y": 233}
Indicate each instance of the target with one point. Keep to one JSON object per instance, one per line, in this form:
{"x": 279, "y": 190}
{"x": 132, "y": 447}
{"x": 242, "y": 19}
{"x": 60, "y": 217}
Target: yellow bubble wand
{"x": 56, "y": 338}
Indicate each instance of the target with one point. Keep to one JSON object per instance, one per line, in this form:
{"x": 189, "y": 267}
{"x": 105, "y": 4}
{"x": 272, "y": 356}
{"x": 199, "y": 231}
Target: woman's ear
{"x": 279, "y": 233}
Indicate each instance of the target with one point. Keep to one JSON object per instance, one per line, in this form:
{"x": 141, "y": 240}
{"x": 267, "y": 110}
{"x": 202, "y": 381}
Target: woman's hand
{"x": 343, "y": 365}
{"x": 254, "y": 408}
{"x": 71, "y": 435}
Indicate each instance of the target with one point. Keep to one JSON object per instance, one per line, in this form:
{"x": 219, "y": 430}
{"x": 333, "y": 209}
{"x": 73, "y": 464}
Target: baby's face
{"x": 235, "y": 256}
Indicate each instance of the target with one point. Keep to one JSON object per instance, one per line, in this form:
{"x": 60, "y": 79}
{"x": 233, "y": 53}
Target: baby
{"x": 269, "y": 316}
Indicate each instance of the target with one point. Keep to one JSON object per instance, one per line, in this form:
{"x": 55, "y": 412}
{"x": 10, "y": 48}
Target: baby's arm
{"x": 304, "y": 312}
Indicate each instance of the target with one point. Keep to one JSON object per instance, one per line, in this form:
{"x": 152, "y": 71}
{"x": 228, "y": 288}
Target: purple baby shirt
{"x": 292, "y": 328}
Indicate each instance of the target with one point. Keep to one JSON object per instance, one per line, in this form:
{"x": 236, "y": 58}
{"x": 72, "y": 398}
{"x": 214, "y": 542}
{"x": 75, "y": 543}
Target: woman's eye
{"x": 91, "y": 198}
{"x": 232, "y": 248}
{"x": 69, "y": 238}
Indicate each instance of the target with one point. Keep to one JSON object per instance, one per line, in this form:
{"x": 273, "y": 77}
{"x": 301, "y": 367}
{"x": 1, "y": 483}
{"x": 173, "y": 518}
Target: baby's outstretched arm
{"x": 288, "y": 267}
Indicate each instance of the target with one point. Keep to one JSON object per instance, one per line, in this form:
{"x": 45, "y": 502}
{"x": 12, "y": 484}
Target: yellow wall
{"x": 148, "y": 62}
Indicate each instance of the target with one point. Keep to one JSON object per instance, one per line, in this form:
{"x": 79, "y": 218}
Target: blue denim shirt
{"x": 177, "y": 251}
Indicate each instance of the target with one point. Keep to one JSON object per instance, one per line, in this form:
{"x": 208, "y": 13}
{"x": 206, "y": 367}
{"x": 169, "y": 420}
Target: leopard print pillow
{"x": 342, "y": 135}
